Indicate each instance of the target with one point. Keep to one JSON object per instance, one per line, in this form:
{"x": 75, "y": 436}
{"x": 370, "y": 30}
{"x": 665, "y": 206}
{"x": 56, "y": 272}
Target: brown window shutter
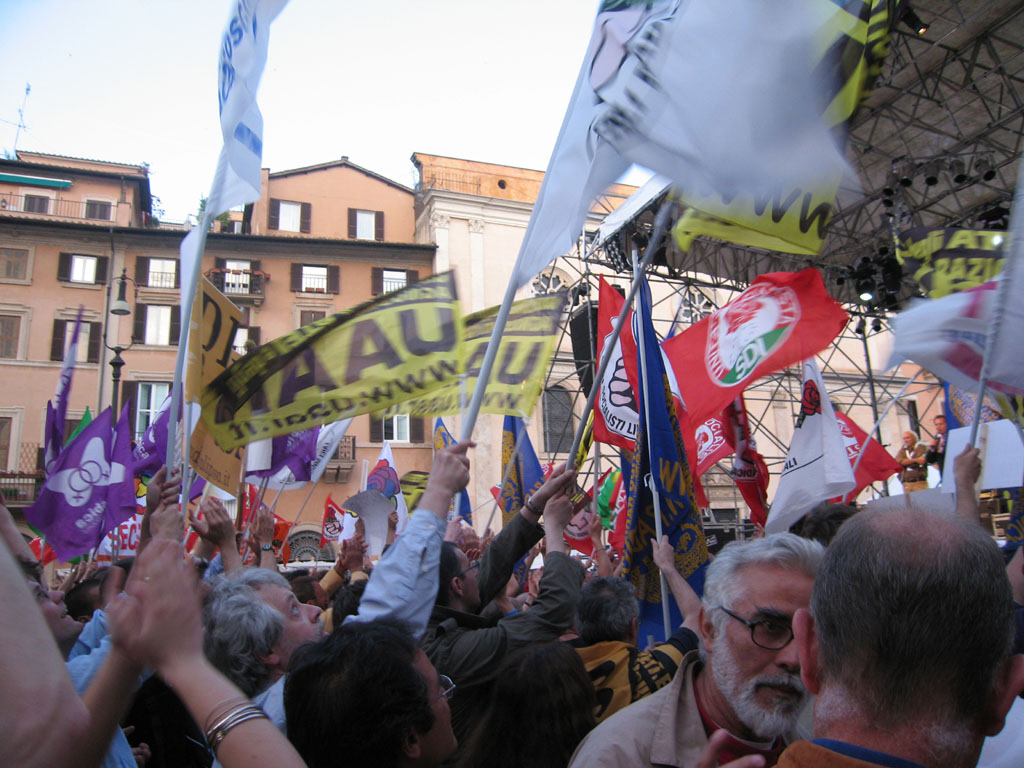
{"x": 411, "y": 276}
{"x": 177, "y": 274}
{"x": 352, "y": 230}
{"x": 220, "y": 263}
{"x": 296, "y": 278}
{"x": 129, "y": 394}
{"x": 274, "y": 220}
{"x": 142, "y": 270}
{"x": 101, "y": 270}
{"x": 175, "y": 325}
{"x": 333, "y": 279}
{"x": 376, "y": 428}
{"x": 57, "y": 343}
{"x": 378, "y": 226}
{"x": 254, "y": 334}
{"x": 255, "y": 265}
{"x": 64, "y": 267}
{"x": 416, "y": 430}
{"x": 305, "y": 217}
{"x": 139, "y": 324}
{"x": 95, "y": 336}
{"x": 377, "y": 281}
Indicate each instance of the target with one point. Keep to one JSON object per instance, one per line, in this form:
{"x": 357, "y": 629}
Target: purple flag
{"x": 56, "y": 414}
{"x": 291, "y": 457}
{"x": 150, "y": 452}
{"x": 89, "y": 491}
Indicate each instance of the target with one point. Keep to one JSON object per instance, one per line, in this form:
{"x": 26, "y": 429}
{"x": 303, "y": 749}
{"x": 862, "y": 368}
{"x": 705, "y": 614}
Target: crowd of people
{"x": 861, "y": 638}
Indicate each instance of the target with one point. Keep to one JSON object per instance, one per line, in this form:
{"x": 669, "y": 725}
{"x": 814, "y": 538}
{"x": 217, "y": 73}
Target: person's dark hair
{"x": 541, "y": 707}
{"x": 447, "y": 570}
{"x": 913, "y": 615}
{"x": 606, "y": 610}
{"x": 83, "y": 599}
{"x": 346, "y": 601}
{"x": 301, "y": 582}
{"x": 353, "y": 698}
{"x": 822, "y": 523}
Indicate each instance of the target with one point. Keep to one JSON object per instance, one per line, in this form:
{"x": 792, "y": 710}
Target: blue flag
{"x": 523, "y": 476}
{"x": 442, "y": 439}
{"x": 660, "y": 455}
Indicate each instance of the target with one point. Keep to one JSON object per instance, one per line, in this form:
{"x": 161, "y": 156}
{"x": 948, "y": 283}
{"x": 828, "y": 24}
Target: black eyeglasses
{"x": 467, "y": 569}
{"x": 771, "y": 634}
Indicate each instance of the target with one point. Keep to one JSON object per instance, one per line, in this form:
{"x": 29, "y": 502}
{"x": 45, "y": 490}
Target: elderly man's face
{"x": 762, "y": 685}
{"x": 301, "y": 622}
{"x": 908, "y": 439}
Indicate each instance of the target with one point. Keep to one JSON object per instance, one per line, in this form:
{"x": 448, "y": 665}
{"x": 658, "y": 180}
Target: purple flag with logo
{"x": 90, "y": 490}
{"x": 56, "y": 414}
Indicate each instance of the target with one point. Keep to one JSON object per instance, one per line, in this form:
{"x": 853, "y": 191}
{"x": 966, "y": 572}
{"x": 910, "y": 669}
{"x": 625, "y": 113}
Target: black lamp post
{"x": 121, "y": 308}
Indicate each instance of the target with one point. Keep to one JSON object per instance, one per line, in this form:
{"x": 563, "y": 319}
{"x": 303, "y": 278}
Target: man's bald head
{"x": 913, "y": 616}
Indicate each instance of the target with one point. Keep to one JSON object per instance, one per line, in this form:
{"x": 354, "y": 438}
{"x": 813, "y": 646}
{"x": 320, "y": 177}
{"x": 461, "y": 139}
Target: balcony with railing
{"x": 242, "y": 285}
{"x": 57, "y": 207}
{"x": 20, "y": 485}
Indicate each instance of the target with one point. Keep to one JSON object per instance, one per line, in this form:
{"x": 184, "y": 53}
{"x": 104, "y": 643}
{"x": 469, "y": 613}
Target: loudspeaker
{"x": 583, "y": 332}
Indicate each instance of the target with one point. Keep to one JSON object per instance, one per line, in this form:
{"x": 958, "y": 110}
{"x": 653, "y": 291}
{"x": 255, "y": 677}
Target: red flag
{"x": 281, "y": 545}
{"x": 330, "y": 527}
{"x": 714, "y": 441}
{"x": 44, "y": 552}
{"x": 782, "y": 318}
{"x": 876, "y": 466}
{"x": 748, "y": 467}
{"x": 577, "y": 533}
{"x": 615, "y": 412}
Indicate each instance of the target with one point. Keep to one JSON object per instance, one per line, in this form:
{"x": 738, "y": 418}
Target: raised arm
{"x": 685, "y": 597}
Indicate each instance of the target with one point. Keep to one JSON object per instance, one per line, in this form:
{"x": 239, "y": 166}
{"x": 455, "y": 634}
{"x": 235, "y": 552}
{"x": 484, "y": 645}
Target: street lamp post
{"x": 121, "y": 308}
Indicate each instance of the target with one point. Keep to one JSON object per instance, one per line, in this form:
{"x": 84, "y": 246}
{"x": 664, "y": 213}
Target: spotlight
{"x": 861, "y": 325}
{"x": 906, "y": 174}
{"x": 931, "y": 173}
{"x": 864, "y": 279}
{"x": 983, "y": 167}
{"x": 892, "y": 273}
{"x": 912, "y": 20}
{"x": 876, "y": 325}
{"x": 890, "y": 184}
{"x": 959, "y": 171}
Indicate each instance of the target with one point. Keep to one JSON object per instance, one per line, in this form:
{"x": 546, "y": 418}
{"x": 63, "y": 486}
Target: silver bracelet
{"x": 235, "y": 717}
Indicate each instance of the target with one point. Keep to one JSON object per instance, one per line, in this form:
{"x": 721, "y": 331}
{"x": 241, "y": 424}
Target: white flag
{"x": 384, "y": 478}
{"x": 817, "y": 467}
{"x": 948, "y": 337}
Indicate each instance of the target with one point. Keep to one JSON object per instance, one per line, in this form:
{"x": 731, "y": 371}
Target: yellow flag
{"x": 396, "y": 347}
{"x": 852, "y": 48}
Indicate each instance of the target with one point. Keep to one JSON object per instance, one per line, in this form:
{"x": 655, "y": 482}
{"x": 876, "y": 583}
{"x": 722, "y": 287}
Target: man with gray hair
{"x": 907, "y": 644}
{"x": 746, "y": 681}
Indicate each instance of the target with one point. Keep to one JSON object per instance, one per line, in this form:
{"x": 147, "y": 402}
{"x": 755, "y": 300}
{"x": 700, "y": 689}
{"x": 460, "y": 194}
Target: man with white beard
{"x": 746, "y": 681}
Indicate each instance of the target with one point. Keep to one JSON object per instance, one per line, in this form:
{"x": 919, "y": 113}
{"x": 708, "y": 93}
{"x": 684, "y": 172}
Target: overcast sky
{"x": 135, "y": 81}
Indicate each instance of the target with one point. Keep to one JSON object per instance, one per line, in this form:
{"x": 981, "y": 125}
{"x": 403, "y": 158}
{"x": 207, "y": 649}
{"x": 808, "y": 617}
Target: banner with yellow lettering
{"x": 524, "y": 354}
{"x": 396, "y": 347}
{"x": 853, "y": 46}
{"x": 945, "y": 261}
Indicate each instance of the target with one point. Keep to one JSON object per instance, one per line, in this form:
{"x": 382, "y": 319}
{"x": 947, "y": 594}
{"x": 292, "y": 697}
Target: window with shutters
{"x": 365, "y": 225}
{"x": 162, "y": 273}
{"x": 83, "y": 269}
{"x": 158, "y": 326}
{"x": 385, "y": 280}
{"x": 289, "y": 216}
{"x": 236, "y": 279}
{"x": 396, "y": 429}
{"x": 316, "y": 278}
{"x": 89, "y": 339}
{"x": 307, "y": 316}
{"x": 82, "y": 354}
{"x": 13, "y": 264}
{"x": 98, "y": 209}
{"x": 394, "y": 280}
{"x": 149, "y": 396}
{"x": 10, "y": 336}
{"x": 558, "y": 420}
{"x": 247, "y": 338}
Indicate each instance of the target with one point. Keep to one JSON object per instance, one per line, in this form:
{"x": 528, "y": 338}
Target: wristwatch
{"x": 267, "y": 547}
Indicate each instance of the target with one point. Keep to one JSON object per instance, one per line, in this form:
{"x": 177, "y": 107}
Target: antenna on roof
{"x": 21, "y": 118}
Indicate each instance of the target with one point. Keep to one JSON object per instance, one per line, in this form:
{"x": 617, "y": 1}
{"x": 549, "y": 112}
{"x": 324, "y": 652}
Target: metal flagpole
{"x": 649, "y": 479}
{"x": 881, "y": 418}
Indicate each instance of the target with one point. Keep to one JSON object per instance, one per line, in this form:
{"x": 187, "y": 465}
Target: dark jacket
{"x": 470, "y": 650}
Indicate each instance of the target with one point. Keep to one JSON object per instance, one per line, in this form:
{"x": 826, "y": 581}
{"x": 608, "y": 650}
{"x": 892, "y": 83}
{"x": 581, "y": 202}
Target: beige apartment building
{"x": 320, "y": 240}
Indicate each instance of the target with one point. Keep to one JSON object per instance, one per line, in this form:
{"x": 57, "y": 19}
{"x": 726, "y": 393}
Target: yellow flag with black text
{"x": 853, "y": 47}
{"x": 395, "y": 347}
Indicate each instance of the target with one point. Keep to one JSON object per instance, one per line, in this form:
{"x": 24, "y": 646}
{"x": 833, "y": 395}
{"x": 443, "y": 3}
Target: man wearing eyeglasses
{"x": 745, "y": 681}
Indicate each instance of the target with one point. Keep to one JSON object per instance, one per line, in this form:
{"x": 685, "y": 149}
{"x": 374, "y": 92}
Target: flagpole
{"x": 863, "y": 448}
{"x": 649, "y": 479}
{"x": 660, "y": 223}
{"x": 1016, "y": 243}
{"x": 453, "y": 514}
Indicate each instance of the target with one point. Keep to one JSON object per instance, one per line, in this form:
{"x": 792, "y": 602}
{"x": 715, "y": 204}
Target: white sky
{"x": 135, "y": 81}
